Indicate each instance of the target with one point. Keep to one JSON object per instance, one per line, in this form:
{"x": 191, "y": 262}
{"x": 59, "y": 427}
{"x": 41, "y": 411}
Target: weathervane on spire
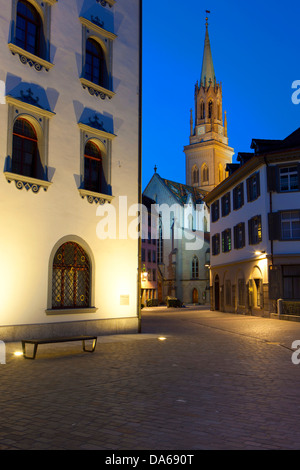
{"x": 207, "y": 12}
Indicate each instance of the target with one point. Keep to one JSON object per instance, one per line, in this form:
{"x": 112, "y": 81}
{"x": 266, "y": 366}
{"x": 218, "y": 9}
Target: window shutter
{"x": 272, "y": 178}
{"x": 258, "y": 183}
{"x": 243, "y": 226}
{"x": 248, "y": 189}
{"x": 298, "y": 168}
{"x": 235, "y": 233}
{"x": 250, "y": 231}
{"x": 234, "y": 198}
{"x": 275, "y": 226}
{"x": 242, "y": 191}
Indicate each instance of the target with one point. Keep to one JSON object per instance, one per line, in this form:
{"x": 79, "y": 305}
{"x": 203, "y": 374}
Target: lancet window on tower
{"x": 195, "y": 175}
{"x": 210, "y": 109}
{"x": 202, "y": 110}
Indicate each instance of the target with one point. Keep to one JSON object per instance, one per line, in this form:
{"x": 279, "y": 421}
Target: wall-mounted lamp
{"x": 260, "y": 252}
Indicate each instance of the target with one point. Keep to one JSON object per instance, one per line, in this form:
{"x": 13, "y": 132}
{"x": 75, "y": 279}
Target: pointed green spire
{"x": 208, "y": 71}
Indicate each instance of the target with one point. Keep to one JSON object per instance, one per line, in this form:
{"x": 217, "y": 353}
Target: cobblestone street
{"x": 218, "y": 381}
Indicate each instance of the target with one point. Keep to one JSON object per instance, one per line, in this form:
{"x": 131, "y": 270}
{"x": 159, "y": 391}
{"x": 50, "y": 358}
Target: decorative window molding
{"x": 38, "y": 117}
{"x": 26, "y": 182}
{"x": 32, "y": 60}
{"x": 96, "y": 90}
{"x": 42, "y": 60}
{"x": 82, "y": 307}
{"x": 96, "y": 198}
{"x": 94, "y": 29}
{"x": 96, "y": 25}
{"x": 29, "y": 107}
{"x": 95, "y": 132}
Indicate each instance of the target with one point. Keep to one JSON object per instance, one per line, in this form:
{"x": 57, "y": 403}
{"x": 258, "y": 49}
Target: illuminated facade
{"x": 149, "y": 271}
{"x": 208, "y": 151}
{"x": 70, "y": 144}
{"x": 182, "y": 241}
{"x": 255, "y": 229}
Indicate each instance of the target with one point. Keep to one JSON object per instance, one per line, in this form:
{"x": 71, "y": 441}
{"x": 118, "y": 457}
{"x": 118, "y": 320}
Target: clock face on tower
{"x": 201, "y": 130}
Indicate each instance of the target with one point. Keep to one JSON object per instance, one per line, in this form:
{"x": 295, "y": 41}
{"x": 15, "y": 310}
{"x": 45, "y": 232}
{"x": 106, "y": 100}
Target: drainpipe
{"x": 139, "y": 315}
{"x": 271, "y": 212}
{"x": 271, "y": 206}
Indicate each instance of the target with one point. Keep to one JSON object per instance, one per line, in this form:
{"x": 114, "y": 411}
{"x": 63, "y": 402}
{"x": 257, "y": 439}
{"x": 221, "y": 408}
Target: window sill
{"x": 27, "y": 182}
{"x": 96, "y": 90}
{"x": 92, "y": 196}
{"x": 27, "y": 58}
{"x": 70, "y": 311}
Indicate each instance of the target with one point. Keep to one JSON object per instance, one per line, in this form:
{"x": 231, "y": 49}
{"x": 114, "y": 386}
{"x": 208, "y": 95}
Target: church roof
{"x": 182, "y": 192}
{"x": 208, "y": 71}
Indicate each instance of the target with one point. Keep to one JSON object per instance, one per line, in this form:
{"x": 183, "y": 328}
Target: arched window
{"x": 28, "y": 28}
{"x": 71, "y": 277}
{"x": 195, "y": 175}
{"x": 94, "y": 63}
{"x": 205, "y": 174}
{"x": 195, "y": 268}
{"x": 92, "y": 167}
{"x": 210, "y": 109}
{"x": 25, "y": 153}
{"x": 202, "y": 110}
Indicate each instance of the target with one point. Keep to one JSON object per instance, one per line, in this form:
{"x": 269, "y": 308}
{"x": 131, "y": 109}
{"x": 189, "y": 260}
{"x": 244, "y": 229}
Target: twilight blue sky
{"x": 256, "y": 54}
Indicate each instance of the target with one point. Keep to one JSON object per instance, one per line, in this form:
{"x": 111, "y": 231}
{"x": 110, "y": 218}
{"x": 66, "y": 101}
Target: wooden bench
{"x": 36, "y": 342}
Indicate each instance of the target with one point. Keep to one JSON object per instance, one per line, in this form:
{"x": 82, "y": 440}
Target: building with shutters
{"x": 69, "y": 149}
{"x": 255, "y": 229}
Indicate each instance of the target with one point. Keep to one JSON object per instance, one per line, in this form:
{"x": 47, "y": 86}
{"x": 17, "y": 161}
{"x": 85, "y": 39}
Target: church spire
{"x": 208, "y": 71}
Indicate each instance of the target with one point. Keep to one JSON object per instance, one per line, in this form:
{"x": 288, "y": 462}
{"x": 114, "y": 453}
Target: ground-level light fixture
{"x": 18, "y": 353}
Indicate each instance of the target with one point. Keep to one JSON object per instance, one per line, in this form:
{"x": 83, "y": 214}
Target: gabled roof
{"x": 265, "y": 145}
{"x": 181, "y": 192}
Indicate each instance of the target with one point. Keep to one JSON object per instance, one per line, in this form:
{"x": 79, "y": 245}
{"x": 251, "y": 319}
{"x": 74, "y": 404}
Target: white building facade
{"x": 255, "y": 229}
{"x": 182, "y": 241}
{"x": 69, "y": 148}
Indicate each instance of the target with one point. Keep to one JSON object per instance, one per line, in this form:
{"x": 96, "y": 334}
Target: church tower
{"x": 208, "y": 151}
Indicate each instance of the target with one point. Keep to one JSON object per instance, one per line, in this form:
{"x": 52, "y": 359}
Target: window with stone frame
{"x": 97, "y": 50}
{"x": 215, "y": 211}
{"x": 195, "y": 268}
{"x": 27, "y": 144}
{"x": 239, "y": 235}
{"x": 226, "y": 240}
{"x": 253, "y": 187}
{"x": 30, "y": 32}
{"x": 255, "y": 230}
{"x": 216, "y": 244}
{"x": 225, "y": 204}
